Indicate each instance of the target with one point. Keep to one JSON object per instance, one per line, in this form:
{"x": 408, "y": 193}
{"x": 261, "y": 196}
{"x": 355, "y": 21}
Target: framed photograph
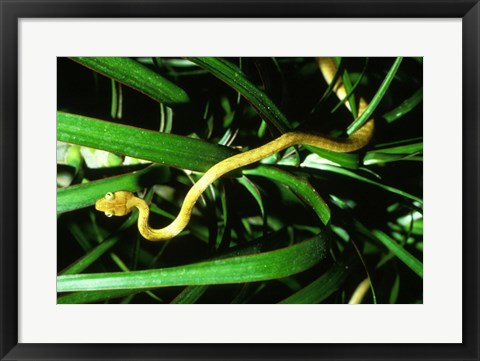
{"x": 239, "y": 180}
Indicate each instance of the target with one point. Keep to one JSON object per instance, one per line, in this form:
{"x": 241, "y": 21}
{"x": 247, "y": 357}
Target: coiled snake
{"x": 122, "y": 202}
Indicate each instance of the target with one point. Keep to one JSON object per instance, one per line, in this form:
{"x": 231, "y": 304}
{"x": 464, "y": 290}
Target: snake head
{"x": 115, "y": 203}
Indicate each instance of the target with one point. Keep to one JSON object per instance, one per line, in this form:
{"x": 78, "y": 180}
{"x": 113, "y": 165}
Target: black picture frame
{"x": 12, "y": 11}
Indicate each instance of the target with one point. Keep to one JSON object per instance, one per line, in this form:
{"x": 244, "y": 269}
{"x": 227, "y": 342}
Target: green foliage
{"x": 376, "y": 99}
{"x": 303, "y": 226}
{"x": 236, "y": 269}
{"x": 129, "y": 72}
{"x": 234, "y": 77}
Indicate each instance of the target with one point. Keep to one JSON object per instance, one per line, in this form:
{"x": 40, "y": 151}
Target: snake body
{"x": 122, "y": 202}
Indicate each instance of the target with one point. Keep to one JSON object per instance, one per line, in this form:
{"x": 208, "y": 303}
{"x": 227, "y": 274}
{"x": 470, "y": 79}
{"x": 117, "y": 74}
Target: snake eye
{"x": 109, "y": 196}
{"x": 108, "y": 214}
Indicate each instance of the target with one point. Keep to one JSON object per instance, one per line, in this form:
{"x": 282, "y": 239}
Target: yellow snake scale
{"x": 122, "y": 202}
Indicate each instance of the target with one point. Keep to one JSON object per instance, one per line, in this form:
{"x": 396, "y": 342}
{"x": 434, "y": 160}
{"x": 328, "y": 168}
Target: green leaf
{"x": 302, "y": 188}
{"x": 403, "y": 149}
{"x": 95, "y": 296}
{"x": 350, "y": 93}
{"x": 414, "y": 264}
{"x": 392, "y": 154}
{"x": 407, "y": 105}
{"x": 129, "y": 72}
{"x": 88, "y": 259}
{"x": 330, "y": 86}
{"x": 168, "y": 149}
{"x": 234, "y": 77}
{"x": 395, "y": 290}
{"x": 264, "y": 266}
{"x": 190, "y": 295}
{"x": 84, "y": 262}
{"x": 348, "y": 89}
{"x": 323, "y": 287}
{"x": 376, "y": 99}
{"x": 311, "y": 163}
{"x": 254, "y": 191}
{"x": 379, "y": 158}
{"x": 346, "y": 160}
{"x": 80, "y": 236}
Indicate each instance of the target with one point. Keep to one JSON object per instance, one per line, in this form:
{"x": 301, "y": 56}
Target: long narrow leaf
{"x": 264, "y": 266}
{"x": 95, "y": 296}
{"x": 137, "y": 76}
{"x": 190, "y": 295}
{"x": 88, "y": 259}
{"x": 233, "y": 76}
{"x": 300, "y": 186}
{"x": 330, "y": 168}
{"x": 168, "y": 149}
{"x": 407, "y": 105}
{"x": 324, "y": 286}
{"x": 376, "y": 99}
{"x": 414, "y": 264}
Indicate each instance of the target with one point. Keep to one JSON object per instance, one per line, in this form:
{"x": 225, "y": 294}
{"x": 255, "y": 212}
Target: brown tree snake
{"x": 122, "y": 202}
